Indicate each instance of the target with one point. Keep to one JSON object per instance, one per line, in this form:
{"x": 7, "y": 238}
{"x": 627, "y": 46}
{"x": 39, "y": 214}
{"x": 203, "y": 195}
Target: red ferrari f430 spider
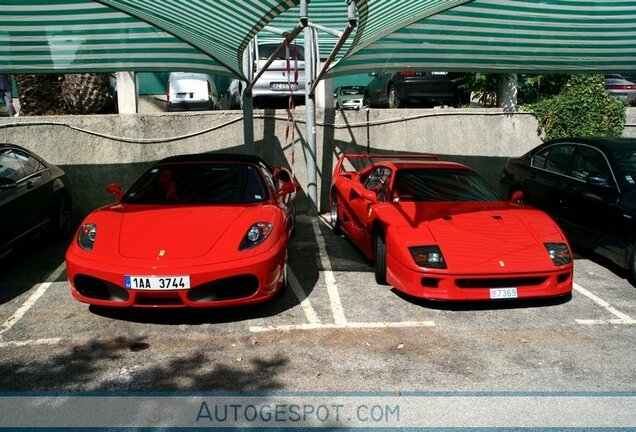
{"x": 437, "y": 230}
{"x": 194, "y": 230}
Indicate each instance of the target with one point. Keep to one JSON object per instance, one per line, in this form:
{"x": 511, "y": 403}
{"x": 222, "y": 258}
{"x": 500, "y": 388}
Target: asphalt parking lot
{"x": 333, "y": 329}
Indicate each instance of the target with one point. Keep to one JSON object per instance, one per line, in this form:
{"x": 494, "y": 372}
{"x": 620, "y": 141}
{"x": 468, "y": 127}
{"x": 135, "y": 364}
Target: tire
{"x": 335, "y": 214}
{"x": 366, "y": 101}
{"x": 62, "y": 218}
{"x": 394, "y": 101}
{"x": 632, "y": 265}
{"x": 380, "y": 258}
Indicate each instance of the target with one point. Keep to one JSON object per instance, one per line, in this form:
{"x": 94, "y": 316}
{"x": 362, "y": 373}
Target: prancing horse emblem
{"x": 501, "y": 263}
{"x": 162, "y": 252}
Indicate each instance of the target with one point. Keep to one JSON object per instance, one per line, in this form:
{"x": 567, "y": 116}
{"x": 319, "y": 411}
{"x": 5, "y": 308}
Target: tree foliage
{"x": 582, "y": 108}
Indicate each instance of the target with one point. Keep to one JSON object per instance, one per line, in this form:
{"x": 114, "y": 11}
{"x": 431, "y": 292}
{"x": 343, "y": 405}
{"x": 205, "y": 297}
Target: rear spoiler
{"x": 386, "y": 157}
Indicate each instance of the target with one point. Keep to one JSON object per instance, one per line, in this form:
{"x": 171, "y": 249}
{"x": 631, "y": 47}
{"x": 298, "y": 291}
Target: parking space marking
{"x": 622, "y": 318}
{"x": 16, "y": 344}
{"x": 293, "y": 283}
{"x": 39, "y": 292}
{"x": 351, "y": 325}
{"x": 330, "y": 279}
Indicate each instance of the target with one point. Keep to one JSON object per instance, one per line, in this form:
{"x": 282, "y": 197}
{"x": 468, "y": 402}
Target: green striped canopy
{"x": 211, "y": 35}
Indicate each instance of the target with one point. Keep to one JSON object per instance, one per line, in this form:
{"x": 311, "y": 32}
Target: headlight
{"x": 256, "y": 235}
{"x": 559, "y": 253}
{"x": 428, "y": 256}
{"x": 86, "y": 236}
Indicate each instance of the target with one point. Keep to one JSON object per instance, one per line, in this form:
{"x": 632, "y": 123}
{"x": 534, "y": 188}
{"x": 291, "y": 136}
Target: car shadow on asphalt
{"x": 463, "y": 306}
{"x": 587, "y": 254}
{"x": 281, "y": 302}
{"x": 301, "y": 246}
{"x": 30, "y": 265}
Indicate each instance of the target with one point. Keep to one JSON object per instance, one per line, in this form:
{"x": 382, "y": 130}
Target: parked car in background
{"x": 191, "y": 91}
{"x": 397, "y": 89}
{"x": 35, "y": 198}
{"x": 280, "y": 80}
{"x": 589, "y": 186}
{"x": 437, "y": 230}
{"x": 194, "y": 230}
{"x": 349, "y": 97}
{"x": 621, "y": 88}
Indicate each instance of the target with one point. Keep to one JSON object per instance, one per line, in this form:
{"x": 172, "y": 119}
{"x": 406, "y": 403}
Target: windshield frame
{"x": 489, "y": 194}
{"x": 155, "y": 190}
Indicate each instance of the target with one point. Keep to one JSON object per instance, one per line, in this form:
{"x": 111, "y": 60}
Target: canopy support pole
{"x": 343, "y": 36}
{"x": 312, "y": 58}
{"x": 248, "y": 100}
{"x": 312, "y": 78}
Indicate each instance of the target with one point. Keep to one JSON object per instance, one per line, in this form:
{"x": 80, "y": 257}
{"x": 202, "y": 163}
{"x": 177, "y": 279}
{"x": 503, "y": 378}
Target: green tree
{"x": 582, "y": 108}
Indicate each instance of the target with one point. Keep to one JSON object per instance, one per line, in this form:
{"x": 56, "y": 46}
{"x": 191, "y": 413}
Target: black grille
{"x": 500, "y": 283}
{"x": 98, "y": 289}
{"x": 225, "y": 289}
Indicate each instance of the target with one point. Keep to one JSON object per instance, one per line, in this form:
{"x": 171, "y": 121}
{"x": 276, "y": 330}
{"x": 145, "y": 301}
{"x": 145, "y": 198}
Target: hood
{"x": 488, "y": 237}
{"x": 180, "y": 232}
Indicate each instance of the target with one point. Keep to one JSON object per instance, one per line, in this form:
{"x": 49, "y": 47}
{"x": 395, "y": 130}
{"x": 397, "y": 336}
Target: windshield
{"x": 202, "y": 183}
{"x": 265, "y": 51}
{"x": 626, "y": 161}
{"x": 352, "y": 90}
{"x": 439, "y": 184}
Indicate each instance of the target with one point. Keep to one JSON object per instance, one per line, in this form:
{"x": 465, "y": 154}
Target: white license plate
{"x": 503, "y": 293}
{"x": 157, "y": 282}
{"x": 283, "y": 86}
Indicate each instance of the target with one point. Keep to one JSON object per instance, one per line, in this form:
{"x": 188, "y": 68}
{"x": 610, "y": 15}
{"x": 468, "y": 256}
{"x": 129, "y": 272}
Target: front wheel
{"x": 335, "y": 219}
{"x": 380, "y": 258}
{"x": 632, "y": 265}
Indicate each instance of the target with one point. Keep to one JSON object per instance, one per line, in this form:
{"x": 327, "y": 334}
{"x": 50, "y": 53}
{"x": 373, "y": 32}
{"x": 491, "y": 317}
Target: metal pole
{"x": 310, "y": 117}
{"x": 248, "y": 121}
{"x": 248, "y": 101}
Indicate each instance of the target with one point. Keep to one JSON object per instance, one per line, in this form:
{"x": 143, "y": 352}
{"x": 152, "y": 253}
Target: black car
{"x": 589, "y": 186}
{"x": 34, "y": 198}
{"x": 396, "y": 89}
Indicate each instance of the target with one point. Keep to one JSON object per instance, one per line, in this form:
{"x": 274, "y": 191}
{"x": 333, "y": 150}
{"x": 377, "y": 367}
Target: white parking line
{"x": 293, "y": 283}
{"x": 330, "y": 280}
{"x": 622, "y": 318}
{"x": 8, "y": 324}
{"x": 290, "y": 327}
{"x": 15, "y": 344}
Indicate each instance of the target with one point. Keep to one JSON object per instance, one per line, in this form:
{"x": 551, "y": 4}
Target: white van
{"x": 191, "y": 91}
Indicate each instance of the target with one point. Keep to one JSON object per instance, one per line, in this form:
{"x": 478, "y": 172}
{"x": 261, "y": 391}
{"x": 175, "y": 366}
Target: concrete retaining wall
{"x": 98, "y": 150}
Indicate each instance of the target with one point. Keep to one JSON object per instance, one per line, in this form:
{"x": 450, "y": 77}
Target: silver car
{"x": 621, "y": 88}
{"x": 349, "y": 97}
{"x": 279, "y": 80}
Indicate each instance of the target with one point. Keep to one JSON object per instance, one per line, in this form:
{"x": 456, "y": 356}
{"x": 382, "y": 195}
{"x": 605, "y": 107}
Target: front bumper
{"x": 443, "y": 286}
{"x": 248, "y": 281}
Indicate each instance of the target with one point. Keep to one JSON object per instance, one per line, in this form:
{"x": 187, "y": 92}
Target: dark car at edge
{"x": 589, "y": 186}
{"x": 35, "y": 198}
{"x": 397, "y": 89}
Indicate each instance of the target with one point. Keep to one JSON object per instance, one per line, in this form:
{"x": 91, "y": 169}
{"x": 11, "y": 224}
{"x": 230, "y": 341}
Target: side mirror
{"x": 282, "y": 175}
{"x": 115, "y": 190}
{"x": 7, "y": 184}
{"x": 286, "y": 188}
{"x": 598, "y": 180}
{"x": 369, "y": 195}
{"x": 517, "y": 197}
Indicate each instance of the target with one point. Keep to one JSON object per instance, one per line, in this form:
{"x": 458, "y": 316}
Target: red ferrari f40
{"x": 437, "y": 230}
